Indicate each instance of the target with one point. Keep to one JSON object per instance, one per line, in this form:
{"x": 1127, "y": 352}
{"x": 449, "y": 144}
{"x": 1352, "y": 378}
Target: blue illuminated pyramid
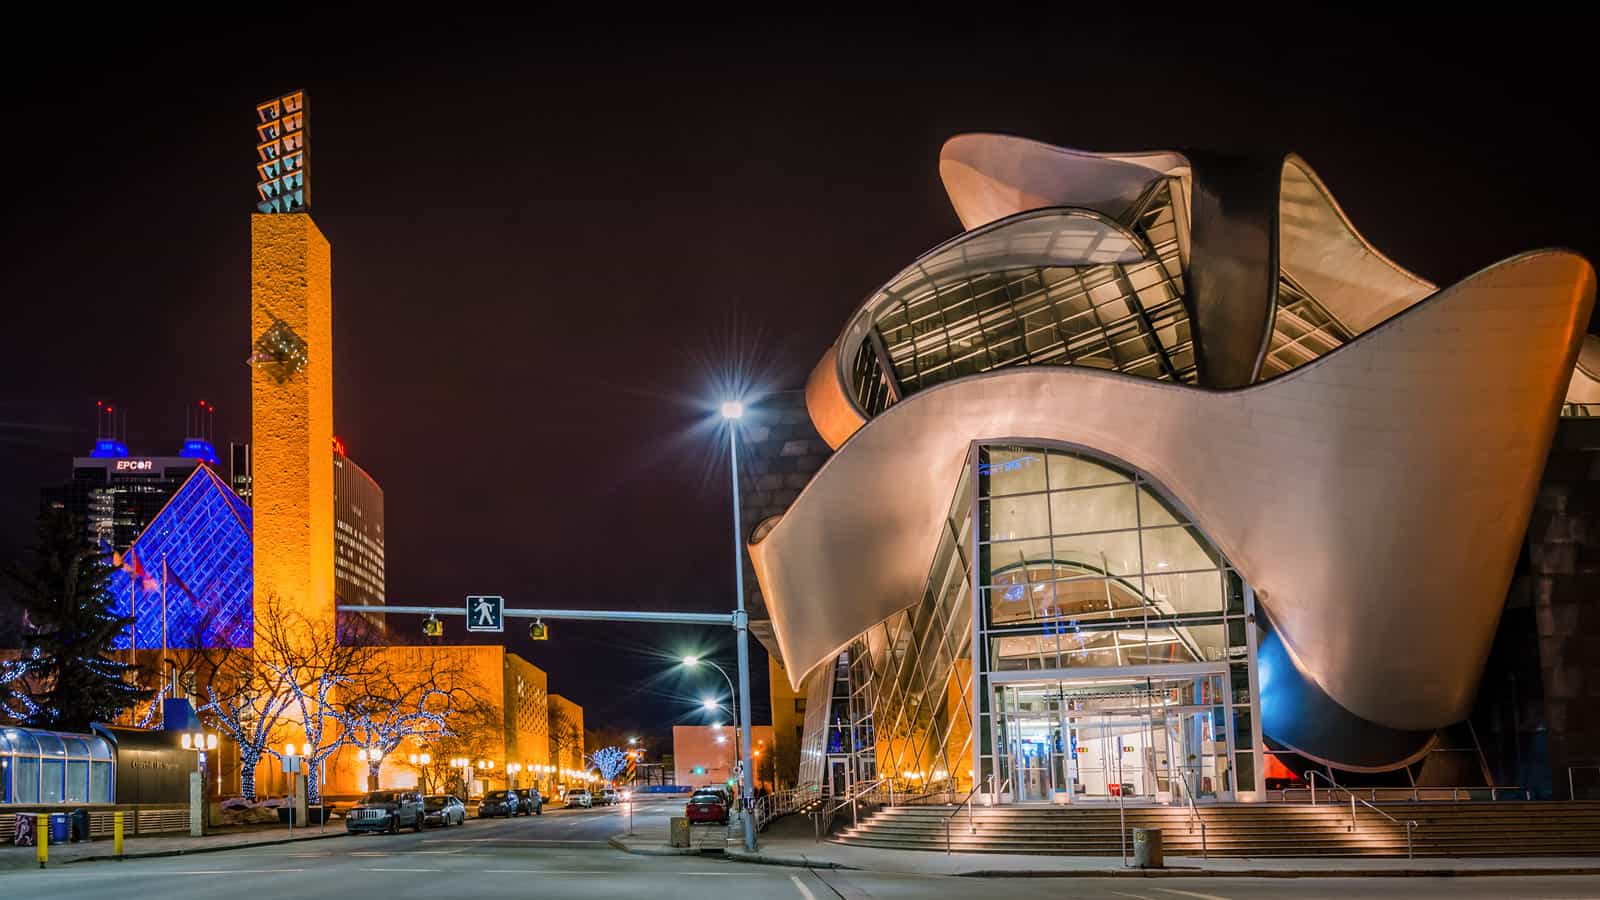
{"x": 187, "y": 579}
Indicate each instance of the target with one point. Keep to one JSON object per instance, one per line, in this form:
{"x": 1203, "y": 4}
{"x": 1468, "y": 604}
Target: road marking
{"x": 1134, "y": 896}
{"x": 385, "y": 869}
{"x": 710, "y": 873}
{"x": 236, "y": 871}
{"x": 546, "y": 871}
{"x": 1188, "y": 893}
{"x": 801, "y": 885}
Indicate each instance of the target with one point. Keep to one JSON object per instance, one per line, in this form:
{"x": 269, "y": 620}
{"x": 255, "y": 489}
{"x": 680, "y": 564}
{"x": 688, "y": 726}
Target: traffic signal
{"x": 539, "y": 631}
{"x": 432, "y": 627}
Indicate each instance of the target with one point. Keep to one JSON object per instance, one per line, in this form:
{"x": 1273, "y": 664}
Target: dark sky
{"x": 553, "y": 241}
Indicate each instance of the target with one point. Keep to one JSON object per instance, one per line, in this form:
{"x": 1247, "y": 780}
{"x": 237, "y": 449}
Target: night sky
{"x": 554, "y": 244}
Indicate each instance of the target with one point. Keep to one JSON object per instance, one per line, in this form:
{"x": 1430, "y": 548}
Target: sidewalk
{"x": 175, "y": 844}
{"x": 791, "y": 842}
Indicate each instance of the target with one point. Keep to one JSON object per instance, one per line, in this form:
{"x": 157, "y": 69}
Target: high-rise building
{"x": 116, "y": 495}
{"x": 239, "y": 470}
{"x": 358, "y": 569}
{"x": 357, "y": 534}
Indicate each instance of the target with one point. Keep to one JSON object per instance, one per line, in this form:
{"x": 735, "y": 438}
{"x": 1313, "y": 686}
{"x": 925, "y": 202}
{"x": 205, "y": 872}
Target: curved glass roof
{"x": 1056, "y": 286}
{"x": 34, "y": 742}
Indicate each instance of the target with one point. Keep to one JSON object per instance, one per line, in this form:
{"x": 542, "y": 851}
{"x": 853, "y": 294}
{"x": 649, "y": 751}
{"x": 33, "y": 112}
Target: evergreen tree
{"x": 68, "y": 667}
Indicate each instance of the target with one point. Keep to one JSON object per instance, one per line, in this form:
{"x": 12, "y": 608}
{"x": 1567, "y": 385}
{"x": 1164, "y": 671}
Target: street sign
{"x": 486, "y": 614}
{"x": 539, "y": 631}
{"x": 432, "y": 627}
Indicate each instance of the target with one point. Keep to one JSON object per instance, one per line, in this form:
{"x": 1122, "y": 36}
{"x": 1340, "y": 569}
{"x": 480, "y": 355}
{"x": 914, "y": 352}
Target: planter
{"x": 315, "y": 815}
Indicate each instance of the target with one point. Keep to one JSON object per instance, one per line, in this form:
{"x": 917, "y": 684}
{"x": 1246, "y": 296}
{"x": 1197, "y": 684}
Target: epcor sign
{"x": 135, "y": 465}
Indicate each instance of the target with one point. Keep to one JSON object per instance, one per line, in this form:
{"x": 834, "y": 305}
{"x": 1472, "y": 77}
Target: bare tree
{"x": 284, "y": 690}
{"x": 418, "y": 694}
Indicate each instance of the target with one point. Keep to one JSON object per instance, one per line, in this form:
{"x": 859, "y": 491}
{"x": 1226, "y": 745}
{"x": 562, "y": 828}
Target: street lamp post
{"x": 373, "y": 757}
{"x": 199, "y": 742}
{"x": 732, "y": 411}
{"x": 421, "y": 761}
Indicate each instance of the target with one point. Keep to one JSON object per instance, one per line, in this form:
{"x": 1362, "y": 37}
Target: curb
{"x": 617, "y": 843}
{"x": 1183, "y": 872}
{"x": 157, "y": 854}
{"x": 760, "y": 859}
{"x": 1281, "y": 873}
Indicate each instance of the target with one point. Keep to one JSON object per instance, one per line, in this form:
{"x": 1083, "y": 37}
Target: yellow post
{"x": 41, "y": 832}
{"x": 116, "y": 834}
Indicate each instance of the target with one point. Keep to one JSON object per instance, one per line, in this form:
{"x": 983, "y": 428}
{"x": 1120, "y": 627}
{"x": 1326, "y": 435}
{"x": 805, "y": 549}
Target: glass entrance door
{"x": 1033, "y": 752}
{"x": 1101, "y": 739}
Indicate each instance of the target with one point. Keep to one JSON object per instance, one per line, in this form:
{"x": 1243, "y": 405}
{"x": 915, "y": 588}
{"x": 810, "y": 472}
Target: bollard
{"x": 41, "y": 840}
{"x": 116, "y": 835}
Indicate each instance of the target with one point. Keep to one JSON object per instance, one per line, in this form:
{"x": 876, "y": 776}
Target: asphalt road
{"x": 564, "y": 854}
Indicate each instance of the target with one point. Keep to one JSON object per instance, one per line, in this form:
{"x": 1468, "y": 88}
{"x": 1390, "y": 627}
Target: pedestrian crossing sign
{"x": 486, "y": 613}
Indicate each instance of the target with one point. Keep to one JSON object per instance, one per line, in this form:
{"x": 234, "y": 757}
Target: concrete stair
{"x": 1502, "y": 828}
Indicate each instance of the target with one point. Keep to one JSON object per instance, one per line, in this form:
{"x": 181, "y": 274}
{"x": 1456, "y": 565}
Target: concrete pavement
{"x": 564, "y": 854}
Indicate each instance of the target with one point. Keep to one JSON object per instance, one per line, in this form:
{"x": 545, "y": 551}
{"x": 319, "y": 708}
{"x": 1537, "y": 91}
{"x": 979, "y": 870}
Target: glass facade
{"x": 1109, "y": 635}
{"x": 960, "y": 313}
{"x": 187, "y": 579}
{"x": 1302, "y": 330}
{"x": 38, "y": 767}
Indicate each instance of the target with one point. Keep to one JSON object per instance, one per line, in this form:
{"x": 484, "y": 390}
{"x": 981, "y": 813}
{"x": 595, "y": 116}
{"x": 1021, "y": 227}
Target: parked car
{"x": 530, "y": 801}
{"x": 499, "y": 803}
{"x": 608, "y": 796}
{"x": 387, "y": 811}
{"x": 443, "y": 809}
{"x": 707, "y": 808}
{"x": 720, "y": 792}
{"x": 580, "y": 797}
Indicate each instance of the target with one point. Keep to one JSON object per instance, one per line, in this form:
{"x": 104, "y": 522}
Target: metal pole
{"x": 741, "y": 624}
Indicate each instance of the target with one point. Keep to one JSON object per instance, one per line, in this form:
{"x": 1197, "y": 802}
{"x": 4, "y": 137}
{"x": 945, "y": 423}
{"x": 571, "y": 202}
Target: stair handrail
{"x": 1572, "y": 792}
{"x": 825, "y": 818}
{"x": 972, "y": 824}
{"x": 1194, "y": 815}
{"x": 1410, "y": 824}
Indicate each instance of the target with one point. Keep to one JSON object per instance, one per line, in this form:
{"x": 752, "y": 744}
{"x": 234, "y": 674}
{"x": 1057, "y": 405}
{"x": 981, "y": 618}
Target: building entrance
{"x": 1086, "y": 740}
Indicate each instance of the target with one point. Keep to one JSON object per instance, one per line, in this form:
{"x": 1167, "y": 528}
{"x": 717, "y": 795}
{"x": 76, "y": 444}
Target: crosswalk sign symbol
{"x": 486, "y": 613}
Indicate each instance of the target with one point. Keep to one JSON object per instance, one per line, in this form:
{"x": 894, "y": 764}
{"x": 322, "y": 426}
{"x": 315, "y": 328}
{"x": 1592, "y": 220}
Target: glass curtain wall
{"x": 1110, "y": 637}
{"x": 1110, "y": 629}
{"x": 911, "y": 676}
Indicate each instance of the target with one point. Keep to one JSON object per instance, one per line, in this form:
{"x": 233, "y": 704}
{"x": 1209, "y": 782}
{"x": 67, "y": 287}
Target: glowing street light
{"x": 732, "y": 409}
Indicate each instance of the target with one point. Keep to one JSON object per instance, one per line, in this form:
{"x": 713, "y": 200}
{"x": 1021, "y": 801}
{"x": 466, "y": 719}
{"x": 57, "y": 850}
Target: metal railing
{"x": 1415, "y": 793}
{"x": 972, "y": 824}
{"x": 1572, "y": 792}
{"x": 1188, "y": 794}
{"x": 823, "y": 819}
{"x": 1194, "y": 815}
{"x": 781, "y": 803}
{"x": 1410, "y": 824}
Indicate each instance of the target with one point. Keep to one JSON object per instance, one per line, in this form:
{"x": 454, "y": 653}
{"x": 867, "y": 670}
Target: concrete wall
{"x": 291, "y": 276}
{"x": 712, "y": 749}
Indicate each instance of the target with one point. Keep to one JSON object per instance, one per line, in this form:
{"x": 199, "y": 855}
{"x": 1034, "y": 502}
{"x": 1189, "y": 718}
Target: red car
{"x": 707, "y": 808}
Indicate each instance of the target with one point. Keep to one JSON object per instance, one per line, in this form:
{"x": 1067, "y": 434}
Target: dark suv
{"x": 499, "y": 803}
{"x": 387, "y": 811}
{"x": 530, "y": 801}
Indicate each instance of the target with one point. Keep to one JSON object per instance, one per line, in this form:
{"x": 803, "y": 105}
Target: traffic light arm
{"x": 590, "y": 615}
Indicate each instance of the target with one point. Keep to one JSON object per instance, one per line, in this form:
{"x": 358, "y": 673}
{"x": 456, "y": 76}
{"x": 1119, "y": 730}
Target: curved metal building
{"x": 1155, "y": 463}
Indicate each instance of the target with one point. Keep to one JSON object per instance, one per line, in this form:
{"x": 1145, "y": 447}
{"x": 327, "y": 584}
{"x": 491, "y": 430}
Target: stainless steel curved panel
{"x": 1375, "y": 498}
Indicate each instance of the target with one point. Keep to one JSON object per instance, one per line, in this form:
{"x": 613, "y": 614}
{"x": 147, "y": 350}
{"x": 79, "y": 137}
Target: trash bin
{"x": 1147, "y": 848}
{"x": 59, "y": 828}
{"x": 80, "y": 825}
{"x": 680, "y": 831}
